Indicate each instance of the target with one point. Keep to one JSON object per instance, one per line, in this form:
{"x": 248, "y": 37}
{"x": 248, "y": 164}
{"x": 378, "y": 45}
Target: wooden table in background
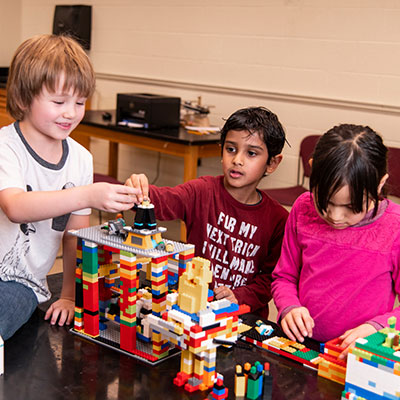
{"x": 174, "y": 142}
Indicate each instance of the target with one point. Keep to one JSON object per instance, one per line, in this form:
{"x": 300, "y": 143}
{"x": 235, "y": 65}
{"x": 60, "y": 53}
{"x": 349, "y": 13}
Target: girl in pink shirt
{"x": 338, "y": 274}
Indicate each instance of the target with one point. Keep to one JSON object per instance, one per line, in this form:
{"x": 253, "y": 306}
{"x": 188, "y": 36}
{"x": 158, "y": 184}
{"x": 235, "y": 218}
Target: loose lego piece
{"x": 240, "y": 382}
{"x": 253, "y": 381}
{"x": 219, "y": 390}
{"x": 267, "y": 382}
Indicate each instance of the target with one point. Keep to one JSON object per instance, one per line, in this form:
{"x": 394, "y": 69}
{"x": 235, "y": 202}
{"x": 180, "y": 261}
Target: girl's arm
{"x": 285, "y": 277}
{"x": 63, "y": 309}
{"x": 23, "y": 207}
{"x": 295, "y": 320}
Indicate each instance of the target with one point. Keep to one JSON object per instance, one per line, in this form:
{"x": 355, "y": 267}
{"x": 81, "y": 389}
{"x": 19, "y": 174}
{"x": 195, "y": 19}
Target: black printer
{"x": 150, "y": 111}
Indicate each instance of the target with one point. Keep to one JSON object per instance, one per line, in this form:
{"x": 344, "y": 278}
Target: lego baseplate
{"x": 284, "y": 347}
{"x": 100, "y": 236}
{"x": 110, "y": 338}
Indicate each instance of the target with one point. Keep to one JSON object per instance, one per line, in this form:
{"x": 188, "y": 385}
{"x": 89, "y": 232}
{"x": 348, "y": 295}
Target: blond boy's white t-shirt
{"x": 28, "y": 251}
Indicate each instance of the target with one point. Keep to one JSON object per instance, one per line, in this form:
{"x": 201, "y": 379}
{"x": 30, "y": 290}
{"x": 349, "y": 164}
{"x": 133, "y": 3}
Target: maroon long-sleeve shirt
{"x": 243, "y": 242}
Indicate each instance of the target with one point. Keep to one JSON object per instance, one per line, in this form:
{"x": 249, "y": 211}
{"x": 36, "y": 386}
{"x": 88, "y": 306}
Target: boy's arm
{"x": 22, "y": 207}
{"x": 63, "y": 309}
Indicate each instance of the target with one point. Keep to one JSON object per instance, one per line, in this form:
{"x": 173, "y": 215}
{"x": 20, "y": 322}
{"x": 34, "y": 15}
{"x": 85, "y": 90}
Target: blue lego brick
{"x": 172, "y": 279}
{"x": 219, "y": 392}
{"x": 371, "y": 363}
{"x": 193, "y": 316}
{"x": 157, "y": 274}
{"x": 209, "y": 369}
{"x": 165, "y": 345}
{"x": 102, "y": 326}
{"x": 232, "y": 308}
{"x": 89, "y": 249}
{"x": 143, "y": 338}
{"x": 361, "y": 392}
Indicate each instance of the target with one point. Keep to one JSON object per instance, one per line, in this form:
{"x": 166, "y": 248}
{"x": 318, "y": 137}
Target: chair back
{"x": 393, "y": 183}
{"x": 307, "y": 147}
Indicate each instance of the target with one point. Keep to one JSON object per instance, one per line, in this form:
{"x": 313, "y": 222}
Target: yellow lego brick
{"x": 92, "y": 278}
{"x": 127, "y": 272}
{"x": 127, "y": 319}
{"x": 199, "y": 367}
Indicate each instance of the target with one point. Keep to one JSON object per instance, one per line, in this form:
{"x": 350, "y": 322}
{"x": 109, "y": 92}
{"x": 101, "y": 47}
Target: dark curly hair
{"x": 257, "y": 120}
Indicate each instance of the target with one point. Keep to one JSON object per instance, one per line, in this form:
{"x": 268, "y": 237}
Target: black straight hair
{"x": 257, "y": 120}
{"x": 352, "y": 155}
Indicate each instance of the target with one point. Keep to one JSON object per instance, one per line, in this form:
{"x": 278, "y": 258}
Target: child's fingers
{"x": 309, "y": 324}
{"x": 292, "y": 330}
{"x": 287, "y": 330}
{"x": 48, "y": 313}
{"x": 139, "y": 181}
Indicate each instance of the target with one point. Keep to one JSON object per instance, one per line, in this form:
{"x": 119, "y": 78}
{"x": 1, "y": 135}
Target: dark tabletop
{"x": 45, "y": 362}
{"x": 178, "y": 135}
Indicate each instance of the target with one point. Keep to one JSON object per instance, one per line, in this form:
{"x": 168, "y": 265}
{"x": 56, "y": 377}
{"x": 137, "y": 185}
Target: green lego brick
{"x": 374, "y": 345}
{"x": 307, "y": 355}
{"x": 127, "y": 254}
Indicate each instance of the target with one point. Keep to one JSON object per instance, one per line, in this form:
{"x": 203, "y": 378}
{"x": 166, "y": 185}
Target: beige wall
{"x": 315, "y": 63}
{"x": 10, "y": 29}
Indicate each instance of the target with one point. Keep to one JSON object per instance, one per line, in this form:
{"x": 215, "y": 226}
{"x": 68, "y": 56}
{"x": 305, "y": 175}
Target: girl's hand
{"x": 62, "y": 310}
{"x": 113, "y": 198}
{"x": 223, "y": 292}
{"x": 139, "y": 181}
{"x": 350, "y": 336}
{"x": 297, "y": 324}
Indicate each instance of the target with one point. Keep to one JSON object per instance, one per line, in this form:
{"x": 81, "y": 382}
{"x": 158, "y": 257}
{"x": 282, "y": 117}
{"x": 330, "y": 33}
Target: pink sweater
{"x": 343, "y": 277}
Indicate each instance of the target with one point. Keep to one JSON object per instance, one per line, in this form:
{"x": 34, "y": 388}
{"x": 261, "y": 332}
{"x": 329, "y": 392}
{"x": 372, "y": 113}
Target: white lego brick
{"x": 206, "y": 317}
{"x": 198, "y": 335}
{"x": 362, "y": 341}
{"x": 124, "y": 257}
{"x": 219, "y": 304}
{"x": 181, "y": 317}
{"x": 90, "y": 244}
{"x": 187, "y": 361}
{"x": 172, "y": 297}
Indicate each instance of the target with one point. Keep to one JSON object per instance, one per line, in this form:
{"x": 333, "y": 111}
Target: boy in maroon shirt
{"x": 231, "y": 222}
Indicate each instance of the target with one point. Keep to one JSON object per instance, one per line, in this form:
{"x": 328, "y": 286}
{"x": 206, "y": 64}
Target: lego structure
{"x": 329, "y": 365}
{"x": 151, "y": 322}
{"x": 373, "y": 366}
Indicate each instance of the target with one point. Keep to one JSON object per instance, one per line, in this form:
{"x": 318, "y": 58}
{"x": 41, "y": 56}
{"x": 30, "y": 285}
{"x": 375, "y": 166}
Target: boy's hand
{"x": 113, "y": 198}
{"x": 349, "y": 337}
{"x": 223, "y": 292}
{"x": 297, "y": 324}
{"x": 62, "y": 310}
{"x": 139, "y": 181}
